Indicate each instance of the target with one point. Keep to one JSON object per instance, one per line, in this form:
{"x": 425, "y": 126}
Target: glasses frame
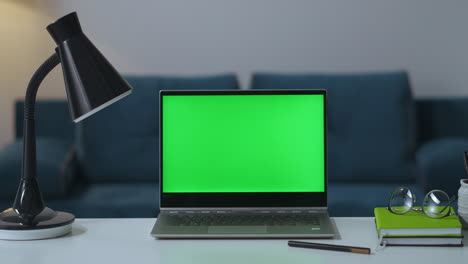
{"x": 411, "y": 208}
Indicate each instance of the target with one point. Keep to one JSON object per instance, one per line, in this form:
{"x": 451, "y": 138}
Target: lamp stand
{"x": 29, "y": 218}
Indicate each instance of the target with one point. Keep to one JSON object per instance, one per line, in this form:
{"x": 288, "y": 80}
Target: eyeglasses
{"x": 436, "y": 203}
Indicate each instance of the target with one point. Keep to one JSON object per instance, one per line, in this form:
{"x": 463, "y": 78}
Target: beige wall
{"x": 24, "y": 45}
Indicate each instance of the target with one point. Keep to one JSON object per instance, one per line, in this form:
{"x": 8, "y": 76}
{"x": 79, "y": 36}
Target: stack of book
{"x": 417, "y": 229}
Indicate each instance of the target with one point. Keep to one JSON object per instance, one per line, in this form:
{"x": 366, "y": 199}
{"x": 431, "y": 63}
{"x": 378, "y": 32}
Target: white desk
{"x": 128, "y": 241}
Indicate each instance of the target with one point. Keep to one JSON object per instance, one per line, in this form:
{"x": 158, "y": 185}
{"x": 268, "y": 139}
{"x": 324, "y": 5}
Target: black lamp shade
{"x": 91, "y": 81}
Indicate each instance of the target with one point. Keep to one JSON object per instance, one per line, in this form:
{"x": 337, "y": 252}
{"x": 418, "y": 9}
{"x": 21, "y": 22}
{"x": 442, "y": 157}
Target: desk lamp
{"x": 91, "y": 84}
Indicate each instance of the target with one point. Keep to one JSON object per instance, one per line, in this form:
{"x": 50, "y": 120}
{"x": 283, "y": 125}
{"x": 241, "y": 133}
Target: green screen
{"x": 243, "y": 143}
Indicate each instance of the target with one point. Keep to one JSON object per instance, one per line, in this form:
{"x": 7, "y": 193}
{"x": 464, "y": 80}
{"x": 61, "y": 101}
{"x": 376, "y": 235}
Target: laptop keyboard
{"x": 227, "y": 219}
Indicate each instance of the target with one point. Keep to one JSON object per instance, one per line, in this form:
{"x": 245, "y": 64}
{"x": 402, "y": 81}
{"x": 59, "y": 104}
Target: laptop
{"x": 243, "y": 164}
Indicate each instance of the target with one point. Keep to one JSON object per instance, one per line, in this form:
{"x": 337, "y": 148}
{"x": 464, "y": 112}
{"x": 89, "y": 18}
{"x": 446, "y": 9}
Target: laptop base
{"x": 254, "y": 224}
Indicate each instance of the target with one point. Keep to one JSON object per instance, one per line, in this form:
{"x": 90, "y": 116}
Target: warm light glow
{"x": 25, "y": 45}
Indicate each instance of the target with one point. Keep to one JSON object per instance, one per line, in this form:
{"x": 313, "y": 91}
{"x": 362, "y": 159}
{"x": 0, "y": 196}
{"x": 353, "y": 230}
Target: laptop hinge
{"x": 245, "y": 210}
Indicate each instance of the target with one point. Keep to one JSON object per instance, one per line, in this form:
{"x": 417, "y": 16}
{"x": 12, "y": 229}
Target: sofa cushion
{"x": 370, "y": 122}
{"x": 442, "y": 118}
{"x": 442, "y": 163}
{"x": 52, "y": 120}
{"x": 55, "y": 167}
{"x": 361, "y": 199}
{"x": 112, "y": 200}
{"x": 120, "y": 143}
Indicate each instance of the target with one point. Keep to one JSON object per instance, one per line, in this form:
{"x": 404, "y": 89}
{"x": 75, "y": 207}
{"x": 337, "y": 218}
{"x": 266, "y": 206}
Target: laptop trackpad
{"x": 237, "y": 229}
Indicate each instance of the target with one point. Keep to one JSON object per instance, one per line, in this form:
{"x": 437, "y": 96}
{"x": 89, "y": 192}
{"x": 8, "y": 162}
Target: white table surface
{"x": 129, "y": 241}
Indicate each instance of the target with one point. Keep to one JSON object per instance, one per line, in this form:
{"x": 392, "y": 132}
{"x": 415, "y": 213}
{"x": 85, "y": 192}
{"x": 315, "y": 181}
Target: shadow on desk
{"x": 77, "y": 230}
{"x": 337, "y": 231}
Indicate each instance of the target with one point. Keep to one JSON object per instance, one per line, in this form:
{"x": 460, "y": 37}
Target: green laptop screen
{"x": 243, "y": 143}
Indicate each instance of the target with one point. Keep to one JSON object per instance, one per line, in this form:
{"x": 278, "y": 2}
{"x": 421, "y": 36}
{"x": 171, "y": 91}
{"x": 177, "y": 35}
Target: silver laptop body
{"x": 240, "y": 214}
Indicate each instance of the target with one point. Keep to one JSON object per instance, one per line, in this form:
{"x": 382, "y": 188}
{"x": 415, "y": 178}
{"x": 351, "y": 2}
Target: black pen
{"x": 359, "y": 250}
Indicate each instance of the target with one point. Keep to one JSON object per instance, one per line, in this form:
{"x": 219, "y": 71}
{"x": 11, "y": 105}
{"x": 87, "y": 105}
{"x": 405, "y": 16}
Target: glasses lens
{"x": 436, "y": 204}
{"x": 401, "y": 201}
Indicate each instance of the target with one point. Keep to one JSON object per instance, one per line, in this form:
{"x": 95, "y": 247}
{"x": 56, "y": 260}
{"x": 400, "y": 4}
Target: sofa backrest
{"x": 442, "y": 118}
{"x": 120, "y": 143}
{"x": 371, "y": 137}
{"x": 53, "y": 120}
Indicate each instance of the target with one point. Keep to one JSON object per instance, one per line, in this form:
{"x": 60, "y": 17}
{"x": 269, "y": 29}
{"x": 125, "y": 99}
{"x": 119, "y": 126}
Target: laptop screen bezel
{"x": 241, "y": 199}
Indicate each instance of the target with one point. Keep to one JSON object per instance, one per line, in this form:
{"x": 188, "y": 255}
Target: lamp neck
{"x": 29, "y": 132}
{"x": 28, "y": 202}
{"x": 35, "y": 82}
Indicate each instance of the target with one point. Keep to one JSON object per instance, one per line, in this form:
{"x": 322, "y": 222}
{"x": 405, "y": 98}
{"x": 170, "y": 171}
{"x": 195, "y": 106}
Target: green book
{"x": 415, "y": 224}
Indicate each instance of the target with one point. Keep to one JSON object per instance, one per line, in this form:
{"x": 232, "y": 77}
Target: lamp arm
{"x": 29, "y": 133}
{"x": 28, "y": 202}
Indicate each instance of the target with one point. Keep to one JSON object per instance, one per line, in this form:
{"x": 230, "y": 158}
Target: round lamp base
{"x": 48, "y": 224}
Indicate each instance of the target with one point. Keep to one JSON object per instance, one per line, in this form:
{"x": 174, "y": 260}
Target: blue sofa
{"x": 379, "y": 138}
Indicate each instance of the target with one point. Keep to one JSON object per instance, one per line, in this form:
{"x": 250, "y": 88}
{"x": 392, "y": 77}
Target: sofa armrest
{"x": 56, "y": 167}
{"x": 442, "y": 165}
